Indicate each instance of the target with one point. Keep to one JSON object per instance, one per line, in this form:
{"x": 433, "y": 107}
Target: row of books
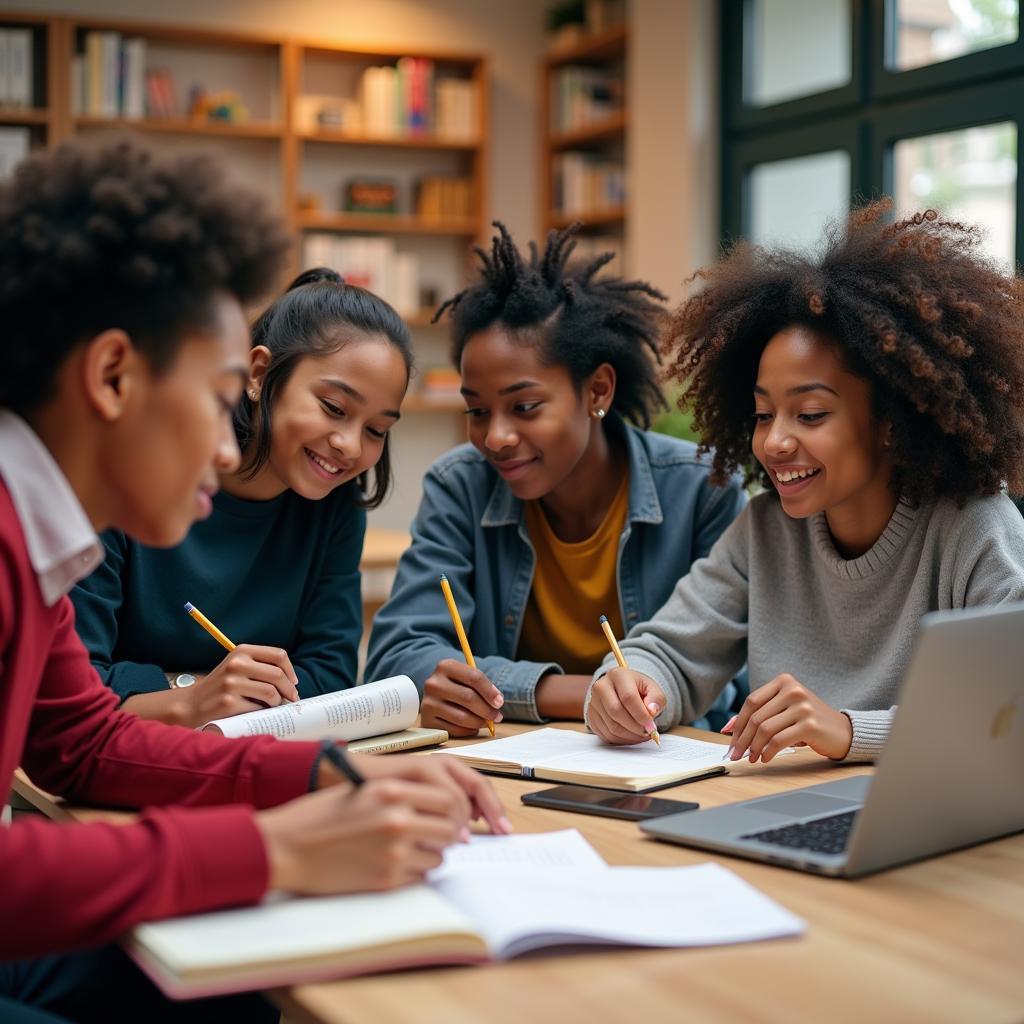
{"x": 108, "y": 77}
{"x": 16, "y": 80}
{"x": 440, "y": 198}
{"x": 407, "y": 99}
{"x": 584, "y": 96}
{"x": 587, "y": 183}
{"x": 372, "y": 263}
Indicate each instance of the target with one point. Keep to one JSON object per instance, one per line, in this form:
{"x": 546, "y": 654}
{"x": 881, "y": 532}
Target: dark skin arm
{"x": 561, "y": 696}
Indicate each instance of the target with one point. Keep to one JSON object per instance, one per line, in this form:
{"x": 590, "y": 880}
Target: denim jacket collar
{"x": 505, "y": 509}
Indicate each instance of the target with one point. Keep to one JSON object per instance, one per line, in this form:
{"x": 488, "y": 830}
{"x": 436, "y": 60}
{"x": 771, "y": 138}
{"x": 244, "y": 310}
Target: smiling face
{"x": 331, "y": 418}
{"x": 527, "y": 419}
{"x": 816, "y": 435}
{"x": 163, "y": 453}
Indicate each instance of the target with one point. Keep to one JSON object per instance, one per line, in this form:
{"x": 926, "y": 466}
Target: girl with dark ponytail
{"x": 277, "y": 559}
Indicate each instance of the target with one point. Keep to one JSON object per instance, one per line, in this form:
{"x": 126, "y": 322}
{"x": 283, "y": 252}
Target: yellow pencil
{"x": 453, "y": 611}
{"x": 209, "y": 626}
{"x": 614, "y": 644}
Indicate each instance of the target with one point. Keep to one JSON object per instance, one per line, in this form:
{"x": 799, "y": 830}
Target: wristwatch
{"x": 181, "y": 680}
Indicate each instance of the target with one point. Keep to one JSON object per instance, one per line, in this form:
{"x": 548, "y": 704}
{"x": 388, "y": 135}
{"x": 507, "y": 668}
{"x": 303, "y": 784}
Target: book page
{"x": 566, "y": 850}
{"x": 388, "y": 705}
{"x": 705, "y": 905}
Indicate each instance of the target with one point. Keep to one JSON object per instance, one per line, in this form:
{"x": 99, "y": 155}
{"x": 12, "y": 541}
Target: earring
{"x": 254, "y": 395}
{"x": 598, "y": 414}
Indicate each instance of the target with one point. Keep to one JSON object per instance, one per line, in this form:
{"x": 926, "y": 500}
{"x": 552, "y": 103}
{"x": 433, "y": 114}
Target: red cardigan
{"x": 65, "y": 886}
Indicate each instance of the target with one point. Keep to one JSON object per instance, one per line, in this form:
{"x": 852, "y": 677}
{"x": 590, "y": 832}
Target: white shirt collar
{"x": 62, "y": 545}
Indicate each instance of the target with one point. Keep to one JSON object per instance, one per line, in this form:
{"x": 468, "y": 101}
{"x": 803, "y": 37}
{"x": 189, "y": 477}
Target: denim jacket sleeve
{"x": 413, "y": 631}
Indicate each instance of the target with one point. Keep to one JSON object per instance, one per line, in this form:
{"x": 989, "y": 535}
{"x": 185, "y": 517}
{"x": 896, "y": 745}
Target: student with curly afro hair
{"x": 562, "y": 507}
{"x": 877, "y": 393}
{"x": 124, "y": 353}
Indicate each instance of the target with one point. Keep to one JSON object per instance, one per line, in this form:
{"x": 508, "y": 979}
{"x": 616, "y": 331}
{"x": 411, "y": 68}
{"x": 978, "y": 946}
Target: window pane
{"x": 931, "y": 31}
{"x": 796, "y": 48}
{"x": 968, "y": 175}
{"x": 790, "y": 200}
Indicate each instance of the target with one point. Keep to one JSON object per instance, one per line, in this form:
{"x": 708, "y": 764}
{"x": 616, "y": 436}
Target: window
{"x": 827, "y": 100}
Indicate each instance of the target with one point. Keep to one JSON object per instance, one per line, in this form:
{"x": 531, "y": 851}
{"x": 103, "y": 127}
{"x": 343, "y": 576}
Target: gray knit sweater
{"x": 776, "y": 594}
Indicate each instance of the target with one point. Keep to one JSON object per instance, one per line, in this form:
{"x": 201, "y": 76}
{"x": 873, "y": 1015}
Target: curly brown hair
{"x": 937, "y": 328}
{"x": 97, "y": 236}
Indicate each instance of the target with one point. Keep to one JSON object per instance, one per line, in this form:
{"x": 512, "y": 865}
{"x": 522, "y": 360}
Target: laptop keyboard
{"x": 823, "y": 835}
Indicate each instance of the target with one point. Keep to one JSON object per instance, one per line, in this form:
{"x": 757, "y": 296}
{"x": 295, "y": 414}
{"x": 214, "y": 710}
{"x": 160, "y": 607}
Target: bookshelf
{"x": 270, "y": 115}
{"x": 265, "y": 112}
{"x": 584, "y": 124}
{"x": 29, "y": 115}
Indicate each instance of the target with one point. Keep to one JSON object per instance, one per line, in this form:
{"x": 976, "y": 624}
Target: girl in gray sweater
{"x": 880, "y": 389}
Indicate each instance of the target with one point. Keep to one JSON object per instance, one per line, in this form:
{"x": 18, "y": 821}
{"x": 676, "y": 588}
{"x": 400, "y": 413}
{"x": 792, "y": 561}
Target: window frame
{"x": 866, "y": 118}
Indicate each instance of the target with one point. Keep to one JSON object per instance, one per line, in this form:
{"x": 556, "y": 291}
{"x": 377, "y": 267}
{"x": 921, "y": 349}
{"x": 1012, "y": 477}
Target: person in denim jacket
{"x": 563, "y": 507}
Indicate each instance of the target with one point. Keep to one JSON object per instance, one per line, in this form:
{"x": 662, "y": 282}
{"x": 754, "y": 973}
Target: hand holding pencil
{"x": 251, "y": 677}
{"x": 624, "y": 703}
{"x": 460, "y": 632}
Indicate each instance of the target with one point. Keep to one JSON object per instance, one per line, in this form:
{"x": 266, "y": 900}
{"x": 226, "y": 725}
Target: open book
{"x": 384, "y": 709}
{"x": 563, "y": 755}
{"x": 495, "y": 898}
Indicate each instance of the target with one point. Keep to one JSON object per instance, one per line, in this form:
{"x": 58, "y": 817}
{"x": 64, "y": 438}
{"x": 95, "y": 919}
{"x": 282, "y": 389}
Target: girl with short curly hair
{"x": 880, "y": 392}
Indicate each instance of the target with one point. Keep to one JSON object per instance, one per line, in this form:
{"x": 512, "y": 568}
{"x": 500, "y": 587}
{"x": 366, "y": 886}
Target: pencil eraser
{"x": 604, "y": 618}
{"x": 188, "y": 606}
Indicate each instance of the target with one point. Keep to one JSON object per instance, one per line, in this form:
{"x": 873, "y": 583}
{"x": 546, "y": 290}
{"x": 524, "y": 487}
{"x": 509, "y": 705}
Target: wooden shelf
{"x": 417, "y": 403}
{"x": 611, "y": 129}
{"x": 591, "y": 221}
{"x": 187, "y": 126}
{"x": 597, "y": 48}
{"x": 17, "y": 115}
{"x": 398, "y": 142}
{"x": 387, "y": 224}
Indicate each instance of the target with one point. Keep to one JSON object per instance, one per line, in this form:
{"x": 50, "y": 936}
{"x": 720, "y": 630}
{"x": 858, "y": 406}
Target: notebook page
{"x": 566, "y": 850}
{"x": 387, "y": 705}
{"x": 644, "y": 760}
{"x": 703, "y": 905}
{"x": 292, "y": 929}
{"x": 529, "y": 747}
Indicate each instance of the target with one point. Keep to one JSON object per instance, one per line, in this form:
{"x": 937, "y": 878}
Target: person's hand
{"x": 623, "y": 706}
{"x": 459, "y": 699}
{"x": 784, "y": 713}
{"x": 381, "y": 835}
{"x": 472, "y": 795}
{"x": 249, "y": 678}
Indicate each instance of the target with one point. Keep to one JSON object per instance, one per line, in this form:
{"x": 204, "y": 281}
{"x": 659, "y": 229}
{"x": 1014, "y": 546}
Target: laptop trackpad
{"x": 801, "y": 805}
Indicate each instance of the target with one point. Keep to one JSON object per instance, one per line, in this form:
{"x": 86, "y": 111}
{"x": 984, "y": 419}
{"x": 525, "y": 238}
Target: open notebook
{"x": 495, "y": 898}
{"x": 563, "y": 755}
{"x": 384, "y": 710}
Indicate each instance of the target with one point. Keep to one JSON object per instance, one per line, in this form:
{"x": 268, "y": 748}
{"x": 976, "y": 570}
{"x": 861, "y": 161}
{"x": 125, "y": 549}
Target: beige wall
{"x": 673, "y": 140}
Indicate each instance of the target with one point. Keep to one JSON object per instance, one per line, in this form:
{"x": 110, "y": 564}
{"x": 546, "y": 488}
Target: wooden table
{"x": 942, "y": 940}
{"x": 938, "y": 941}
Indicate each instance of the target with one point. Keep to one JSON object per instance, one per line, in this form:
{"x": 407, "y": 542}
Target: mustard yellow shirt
{"x": 573, "y": 585}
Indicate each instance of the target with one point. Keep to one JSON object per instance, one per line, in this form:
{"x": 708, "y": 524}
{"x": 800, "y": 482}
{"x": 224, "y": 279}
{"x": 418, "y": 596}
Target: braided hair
{"x": 578, "y": 320}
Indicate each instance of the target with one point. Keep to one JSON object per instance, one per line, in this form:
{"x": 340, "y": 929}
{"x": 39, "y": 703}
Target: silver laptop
{"x": 952, "y": 772}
